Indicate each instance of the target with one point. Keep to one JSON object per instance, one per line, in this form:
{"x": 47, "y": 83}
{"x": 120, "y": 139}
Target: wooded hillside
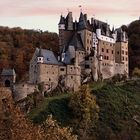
{"x": 134, "y": 44}
{"x": 118, "y": 116}
{"x": 18, "y": 45}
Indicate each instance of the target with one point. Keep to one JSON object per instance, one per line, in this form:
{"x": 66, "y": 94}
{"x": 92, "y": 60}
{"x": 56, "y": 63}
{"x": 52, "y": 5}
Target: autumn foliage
{"x": 18, "y": 45}
{"x": 15, "y": 126}
{"x": 85, "y": 111}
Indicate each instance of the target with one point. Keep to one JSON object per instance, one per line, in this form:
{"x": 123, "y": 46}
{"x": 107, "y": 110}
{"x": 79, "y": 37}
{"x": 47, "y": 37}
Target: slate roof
{"x": 48, "y": 56}
{"x": 75, "y": 41}
{"x": 83, "y": 22}
{"x": 8, "y": 72}
{"x": 62, "y": 20}
{"x": 75, "y": 44}
{"x": 105, "y": 29}
{"x": 40, "y": 54}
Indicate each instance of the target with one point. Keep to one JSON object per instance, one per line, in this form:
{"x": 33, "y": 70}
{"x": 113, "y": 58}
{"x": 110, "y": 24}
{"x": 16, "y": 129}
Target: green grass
{"x": 97, "y": 85}
{"x": 118, "y": 105}
{"x": 56, "y": 105}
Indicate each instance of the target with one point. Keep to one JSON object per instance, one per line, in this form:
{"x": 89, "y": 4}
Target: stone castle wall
{"x": 73, "y": 77}
{"x": 49, "y": 74}
{"x": 22, "y": 90}
{"x": 119, "y": 69}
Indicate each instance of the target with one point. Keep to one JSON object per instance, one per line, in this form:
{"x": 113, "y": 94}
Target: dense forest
{"x": 134, "y": 44}
{"x": 18, "y": 45}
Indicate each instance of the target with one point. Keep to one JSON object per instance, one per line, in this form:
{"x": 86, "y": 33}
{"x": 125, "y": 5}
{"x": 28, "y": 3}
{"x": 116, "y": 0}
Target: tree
{"x": 15, "y": 126}
{"x": 136, "y": 72}
{"x": 54, "y": 132}
{"x": 85, "y": 111}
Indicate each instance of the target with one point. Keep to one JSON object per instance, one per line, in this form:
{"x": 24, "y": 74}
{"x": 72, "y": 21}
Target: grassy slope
{"x": 119, "y": 104}
{"x": 57, "y": 106}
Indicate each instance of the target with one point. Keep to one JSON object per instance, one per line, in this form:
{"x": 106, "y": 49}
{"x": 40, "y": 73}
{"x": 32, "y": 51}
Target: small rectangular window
{"x": 112, "y": 52}
{"x": 107, "y": 58}
{"x": 86, "y": 66}
{"x": 102, "y": 49}
{"x": 87, "y": 58}
{"x": 61, "y": 69}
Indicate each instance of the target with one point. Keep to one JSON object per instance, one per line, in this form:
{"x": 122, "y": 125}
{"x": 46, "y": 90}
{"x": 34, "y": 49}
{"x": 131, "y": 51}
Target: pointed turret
{"x": 69, "y": 21}
{"x": 40, "y": 57}
{"x": 62, "y": 20}
{"x": 82, "y": 21}
{"x": 113, "y": 30}
{"x": 81, "y": 18}
{"x": 114, "y": 33}
{"x": 61, "y": 23}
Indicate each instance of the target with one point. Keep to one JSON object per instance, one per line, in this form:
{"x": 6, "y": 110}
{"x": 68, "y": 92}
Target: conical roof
{"x": 40, "y": 54}
{"x": 62, "y": 20}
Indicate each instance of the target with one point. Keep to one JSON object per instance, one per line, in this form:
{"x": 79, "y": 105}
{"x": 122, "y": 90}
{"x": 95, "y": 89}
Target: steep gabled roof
{"x": 82, "y": 24}
{"x": 75, "y": 44}
{"x": 75, "y": 41}
{"x": 48, "y": 56}
{"x": 8, "y": 72}
{"x": 105, "y": 29}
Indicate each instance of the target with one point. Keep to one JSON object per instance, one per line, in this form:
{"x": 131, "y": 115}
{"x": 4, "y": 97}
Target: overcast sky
{"x": 44, "y": 14}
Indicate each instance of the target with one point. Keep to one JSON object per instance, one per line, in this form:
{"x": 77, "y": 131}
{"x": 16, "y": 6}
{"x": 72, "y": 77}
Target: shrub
{"x": 136, "y": 72}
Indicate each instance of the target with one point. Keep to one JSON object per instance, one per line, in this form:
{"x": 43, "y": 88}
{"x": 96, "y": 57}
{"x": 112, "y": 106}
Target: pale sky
{"x": 44, "y": 14}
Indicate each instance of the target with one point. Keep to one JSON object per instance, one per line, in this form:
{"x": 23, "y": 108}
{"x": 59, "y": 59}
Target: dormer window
{"x": 48, "y": 59}
{"x": 40, "y": 59}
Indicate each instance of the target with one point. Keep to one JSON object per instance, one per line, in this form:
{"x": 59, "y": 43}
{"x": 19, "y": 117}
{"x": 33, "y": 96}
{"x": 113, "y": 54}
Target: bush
{"x": 119, "y": 78}
{"x": 136, "y": 72}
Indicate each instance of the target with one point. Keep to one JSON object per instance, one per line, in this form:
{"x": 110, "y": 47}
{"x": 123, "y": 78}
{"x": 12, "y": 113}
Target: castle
{"x": 88, "y": 49}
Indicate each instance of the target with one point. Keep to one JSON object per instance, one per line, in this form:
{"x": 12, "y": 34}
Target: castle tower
{"x": 121, "y": 50}
{"x": 85, "y": 30}
{"x": 69, "y": 20}
{"x": 61, "y": 27}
